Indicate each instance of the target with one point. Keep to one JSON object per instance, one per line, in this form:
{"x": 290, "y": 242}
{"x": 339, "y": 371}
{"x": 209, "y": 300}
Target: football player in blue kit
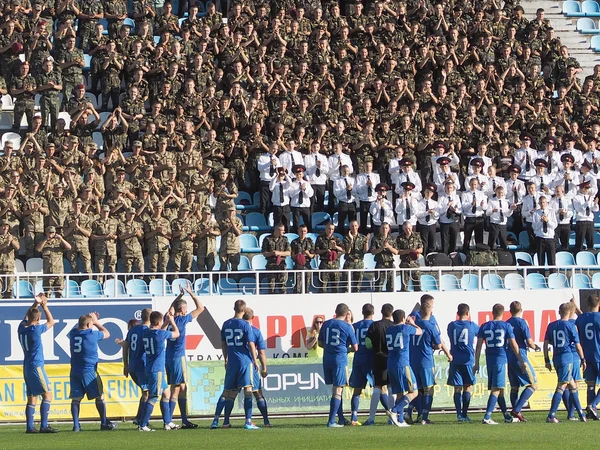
{"x": 560, "y": 334}
{"x": 84, "y": 376}
{"x": 499, "y": 339}
{"x": 516, "y": 377}
{"x": 258, "y": 375}
{"x": 588, "y": 325}
{"x": 336, "y": 338}
{"x": 575, "y": 367}
{"x": 175, "y": 355}
{"x": 30, "y": 333}
{"x": 362, "y": 364}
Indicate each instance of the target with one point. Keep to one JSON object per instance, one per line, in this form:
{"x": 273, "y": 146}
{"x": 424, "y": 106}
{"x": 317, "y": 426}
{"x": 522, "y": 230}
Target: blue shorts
{"x": 36, "y": 381}
{"x": 518, "y": 378}
{"x": 576, "y": 369}
{"x": 564, "y": 372}
{"x": 87, "y": 383}
{"x": 425, "y": 377}
{"x": 157, "y": 383}
{"x": 335, "y": 374}
{"x": 361, "y": 374}
{"x": 592, "y": 372}
{"x": 496, "y": 376}
{"x": 176, "y": 370}
{"x": 402, "y": 380}
{"x": 460, "y": 375}
{"x": 256, "y": 380}
{"x": 140, "y": 379}
{"x": 237, "y": 377}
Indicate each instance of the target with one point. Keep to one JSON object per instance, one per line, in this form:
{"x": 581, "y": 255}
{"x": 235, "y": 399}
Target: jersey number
{"x": 494, "y": 338}
{"x": 149, "y": 346}
{"x": 392, "y": 343}
{"x": 416, "y": 340}
{"x": 77, "y": 344}
{"x": 24, "y": 342}
{"x": 462, "y": 338}
{"x": 560, "y": 338}
{"x": 133, "y": 344}
{"x": 332, "y": 338}
{"x": 233, "y": 338}
{"x": 361, "y": 336}
{"x": 589, "y": 331}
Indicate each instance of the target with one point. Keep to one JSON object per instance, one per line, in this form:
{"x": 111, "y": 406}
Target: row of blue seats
{"x": 587, "y": 8}
{"x": 583, "y": 258}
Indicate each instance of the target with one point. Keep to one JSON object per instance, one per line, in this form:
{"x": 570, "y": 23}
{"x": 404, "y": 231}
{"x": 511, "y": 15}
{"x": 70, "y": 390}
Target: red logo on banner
{"x": 193, "y": 341}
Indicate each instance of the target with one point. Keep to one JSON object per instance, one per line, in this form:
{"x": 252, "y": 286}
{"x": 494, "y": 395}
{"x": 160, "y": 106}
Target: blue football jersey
{"x": 421, "y": 347}
{"x": 496, "y": 334}
{"x": 522, "y": 335}
{"x": 588, "y": 325}
{"x": 236, "y": 334}
{"x": 30, "y": 339}
{"x": 176, "y": 346}
{"x": 137, "y": 355}
{"x": 84, "y": 348}
{"x": 363, "y": 355}
{"x": 155, "y": 348}
{"x": 336, "y": 336}
{"x": 572, "y": 346}
{"x": 258, "y": 339}
{"x": 398, "y": 344}
{"x": 417, "y": 315}
{"x": 462, "y": 334}
{"x": 561, "y": 334}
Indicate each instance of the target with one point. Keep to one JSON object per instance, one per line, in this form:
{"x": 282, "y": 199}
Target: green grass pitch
{"x": 311, "y": 433}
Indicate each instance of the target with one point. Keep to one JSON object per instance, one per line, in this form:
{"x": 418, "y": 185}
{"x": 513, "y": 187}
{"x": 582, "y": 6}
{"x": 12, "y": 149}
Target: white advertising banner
{"x": 284, "y": 320}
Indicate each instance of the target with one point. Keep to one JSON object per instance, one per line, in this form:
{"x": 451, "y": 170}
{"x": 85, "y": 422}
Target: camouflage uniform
{"x": 182, "y": 250}
{"x": 384, "y": 260}
{"x": 131, "y": 249}
{"x": 111, "y": 82}
{"x": 86, "y": 28}
{"x": 229, "y": 253}
{"x": 409, "y": 243}
{"x": 52, "y": 255}
{"x": 325, "y": 243}
{"x": 59, "y": 210}
{"x": 73, "y": 75}
{"x": 224, "y": 203}
{"x": 355, "y": 252}
{"x": 206, "y": 250}
{"x": 301, "y": 246}
{"x": 49, "y": 104}
{"x": 33, "y": 224}
{"x": 7, "y": 263}
{"x": 276, "y": 263}
{"x": 157, "y": 247}
{"x": 80, "y": 244}
{"x": 24, "y": 102}
{"x": 115, "y": 7}
{"x": 105, "y": 249}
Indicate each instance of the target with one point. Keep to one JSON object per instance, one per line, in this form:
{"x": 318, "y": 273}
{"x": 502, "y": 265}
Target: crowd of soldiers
{"x": 418, "y": 113}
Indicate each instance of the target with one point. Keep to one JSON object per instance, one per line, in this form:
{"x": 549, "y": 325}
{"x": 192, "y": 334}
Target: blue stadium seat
{"x": 71, "y": 289}
{"x": 289, "y": 263}
{"x": 369, "y": 260}
{"x": 571, "y": 8}
{"x": 88, "y": 63}
{"x": 492, "y": 282}
{"x": 595, "y": 44}
{"x": 247, "y": 285}
{"x": 159, "y": 287}
{"x": 513, "y": 237}
{"x": 564, "y": 259}
{"x": 256, "y": 222}
{"x": 228, "y": 286}
{"x": 524, "y": 240}
{"x": 104, "y": 23}
{"x": 317, "y": 220}
{"x": 523, "y": 256}
{"x": 580, "y": 281}
{"x": 596, "y": 240}
{"x": 137, "y": 287}
{"x": 91, "y": 289}
{"x": 244, "y": 263}
{"x": 557, "y": 281}
{"x": 291, "y": 236}
{"x": 469, "y": 282}
{"x": 596, "y": 280}
{"x": 243, "y": 201}
{"x": 249, "y": 243}
{"x": 259, "y": 262}
{"x": 179, "y": 282}
{"x": 130, "y": 23}
{"x": 313, "y": 236}
{"x": 261, "y": 238}
{"x": 514, "y": 281}
{"x": 114, "y": 288}
{"x": 585, "y": 25}
{"x": 585, "y": 258}
{"x": 428, "y": 283}
{"x": 23, "y": 289}
{"x": 202, "y": 286}
{"x": 590, "y": 8}
{"x": 536, "y": 281}
{"x": 449, "y": 282}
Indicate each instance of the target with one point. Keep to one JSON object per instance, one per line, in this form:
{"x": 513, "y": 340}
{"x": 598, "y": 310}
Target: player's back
{"x": 364, "y": 354}
{"x": 462, "y": 334}
{"x": 335, "y": 336}
{"x": 137, "y": 355}
{"x": 560, "y": 334}
{"x": 572, "y": 345}
{"x": 155, "y": 349}
{"x": 30, "y": 338}
{"x": 84, "y": 349}
{"x": 376, "y": 333}
{"x": 398, "y": 344}
{"x": 176, "y": 346}
{"x": 236, "y": 333}
{"x": 496, "y": 334}
{"x": 588, "y": 326}
{"x": 421, "y": 347}
{"x": 522, "y": 335}
{"x": 432, "y": 319}
{"x": 257, "y": 338}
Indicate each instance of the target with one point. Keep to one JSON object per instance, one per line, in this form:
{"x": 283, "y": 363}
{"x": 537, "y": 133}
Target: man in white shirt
{"x": 317, "y": 170}
{"x": 440, "y": 151}
{"x": 474, "y": 206}
{"x": 343, "y": 189}
{"x": 336, "y": 162}
{"x": 443, "y": 173}
{"x": 381, "y": 209}
{"x": 482, "y": 179}
{"x": 544, "y": 224}
{"x": 406, "y": 205}
{"x": 449, "y": 210}
{"x": 551, "y": 156}
{"x": 365, "y": 189}
{"x": 493, "y": 182}
{"x": 586, "y": 174}
{"x": 407, "y": 173}
{"x": 530, "y": 204}
{"x": 585, "y": 205}
{"x": 291, "y": 157}
{"x": 525, "y": 156}
{"x": 301, "y": 193}
{"x": 567, "y": 176}
{"x": 427, "y": 216}
{"x": 569, "y": 142}
{"x": 543, "y": 180}
{"x": 481, "y": 154}
{"x": 563, "y": 209}
{"x": 280, "y": 197}
{"x": 514, "y": 192}
{"x": 499, "y": 210}
{"x": 267, "y": 168}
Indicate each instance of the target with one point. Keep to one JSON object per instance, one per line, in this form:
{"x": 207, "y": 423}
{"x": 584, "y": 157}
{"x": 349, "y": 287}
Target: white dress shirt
{"x": 340, "y": 190}
{"x": 566, "y": 205}
{"x": 480, "y": 202}
{"x": 276, "y": 188}
{"x": 559, "y": 179}
{"x": 584, "y": 204}
{"x": 545, "y": 180}
{"x": 499, "y": 211}
{"x": 376, "y": 209}
{"x": 362, "y": 188}
{"x": 444, "y": 202}
{"x": 336, "y": 162}
{"x": 530, "y": 204}
{"x": 522, "y": 158}
{"x": 424, "y": 217}
{"x": 291, "y": 159}
{"x": 407, "y": 212}
{"x": 294, "y": 193}
{"x": 538, "y": 224}
{"x": 512, "y": 187}
{"x": 265, "y": 162}
{"x": 310, "y": 162}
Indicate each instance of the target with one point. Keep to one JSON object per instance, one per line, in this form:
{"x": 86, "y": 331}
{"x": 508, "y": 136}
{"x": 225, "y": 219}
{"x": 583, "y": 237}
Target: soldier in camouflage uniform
{"x": 275, "y": 248}
{"x": 78, "y": 229}
{"x": 49, "y": 83}
{"x": 384, "y": 248}
{"x": 182, "y": 250}
{"x": 329, "y": 248}
{"x": 157, "y": 230}
{"x": 52, "y": 249}
{"x": 130, "y": 232}
{"x": 9, "y": 244}
{"x": 231, "y": 229}
{"x": 356, "y": 245}
{"x": 225, "y": 191}
{"x": 111, "y": 67}
{"x": 303, "y": 251}
{"x": 86, "y": 27}
{"x": 23, "y": 89}
{"x": 71, "y": 62}
{"x": 409, "y": 247}
{"x": 33, "y": 210}
{"x": 104, "y": 237}
{"x": 9, "y": 209}
{"x": 206, "y": 240}
{"x": 58, "y": 206}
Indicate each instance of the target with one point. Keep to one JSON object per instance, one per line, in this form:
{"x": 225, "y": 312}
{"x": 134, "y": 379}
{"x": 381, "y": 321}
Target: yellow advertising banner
{"x": 121, "y": 394}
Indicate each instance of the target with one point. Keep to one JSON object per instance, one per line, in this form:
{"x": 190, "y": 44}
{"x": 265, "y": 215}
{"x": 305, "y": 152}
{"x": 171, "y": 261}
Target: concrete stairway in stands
{"x": 579, "y": 44}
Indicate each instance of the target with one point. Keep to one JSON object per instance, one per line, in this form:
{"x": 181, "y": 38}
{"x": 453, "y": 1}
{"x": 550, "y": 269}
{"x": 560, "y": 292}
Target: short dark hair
{"x": 515, "y": 307}
{"x": 387, "y": 310}
{"x": 593, "y": 301}
{"x": 146, "y": 314}
{"x": 462, "y": 310}
{"x": 239, "y": 306}
{"x": 155, "y": 318}
{"x": 368, "y": 309}
{"x": 248, "y": 314}
{"x": 341, "y": 309}
{"x": 398, "y": 316}
{"x": 498, "y": 310}
{"x": 178, "y": 305}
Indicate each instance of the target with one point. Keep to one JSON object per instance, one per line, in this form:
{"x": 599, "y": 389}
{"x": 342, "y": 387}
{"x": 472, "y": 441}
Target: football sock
{"x": 182, "y": 402}
{"x": 386, "y": 400}
{"x": 228, "y": 408}
{"x": 400, "y": 405}
{"x": 458, "y": 403}
{"x": 261, "y": 403}
{"x": 575, "y": 404}
{"x": 140, "y": 410}
{"x": 354, "y": 403}
{"x": 44, "y": 410}
{"x": 567, "y": 401}
{"x": 340, "y": 412}
{"x": 427, "y": 402}
{"x": 374, "y": 402}
{"x": 502, "y": 404}
{"x": 29, "y": 413}
{"x": 219, "y": 408}
{"x": 75, "y": 412}
{"x": 172, "y": 405}
{"x": 466, "y": 402}
{"x": 418, "y": 403}
{"x": 596, "y": 399}
{"x": 491, "y": 404}
{"x": 165, "y": 409}
{"x": 525, "y": 396}
{"x": 334, "y": 406}
{"x": 590, "y": 395}
{"x": 147, "y": 411}
{"x": 101, "y": 407}
{"x": 248, "y": 408}
{"x": 556, "y": 398}
{"x": 514, "y": 398}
